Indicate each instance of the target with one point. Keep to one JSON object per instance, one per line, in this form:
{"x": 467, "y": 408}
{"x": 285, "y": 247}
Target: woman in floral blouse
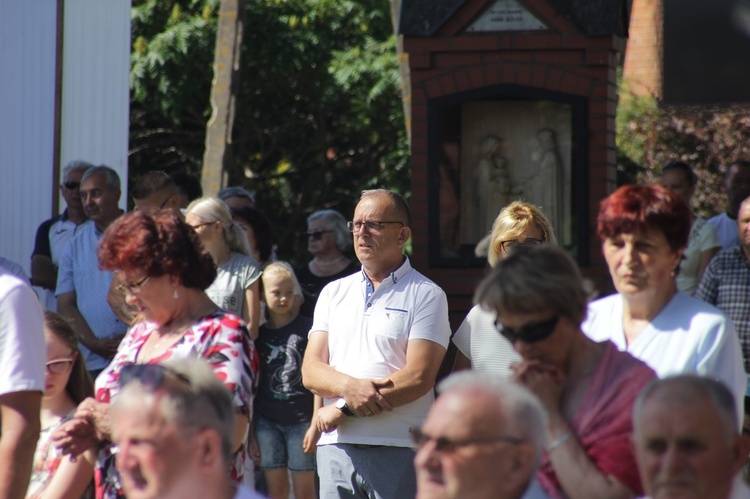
{"x": 164, "y": 271}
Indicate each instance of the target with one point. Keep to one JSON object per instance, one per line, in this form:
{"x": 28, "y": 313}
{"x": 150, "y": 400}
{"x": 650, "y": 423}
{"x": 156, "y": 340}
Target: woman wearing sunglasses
{"x": 66, "y": 384}
{"x": 519, "y": 225}
{"x": 327, "y": 239}
{"x": 644, "y": 231}
{"x": 164, "y": 271}
{"x": 587, "y": 388}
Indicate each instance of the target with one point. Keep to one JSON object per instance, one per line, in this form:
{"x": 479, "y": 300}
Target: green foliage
{"x": 319, "y": 114}
{"x": 708, "y": 139}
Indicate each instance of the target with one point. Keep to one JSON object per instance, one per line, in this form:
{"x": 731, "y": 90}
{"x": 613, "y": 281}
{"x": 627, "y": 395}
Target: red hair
{"x": 158, "y": 243}
{"x": 636, "y": 208}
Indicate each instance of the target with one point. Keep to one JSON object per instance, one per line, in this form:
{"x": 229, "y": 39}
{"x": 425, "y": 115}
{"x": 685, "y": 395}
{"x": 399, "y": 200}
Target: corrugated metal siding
{"x": 27, "y": 78}
{"x": 95, "y": 106}
{"x": 96, "y": 65}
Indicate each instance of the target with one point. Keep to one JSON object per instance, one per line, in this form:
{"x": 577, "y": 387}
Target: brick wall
{"x": 562, "y": 59}
{"x": 642, "y": 72}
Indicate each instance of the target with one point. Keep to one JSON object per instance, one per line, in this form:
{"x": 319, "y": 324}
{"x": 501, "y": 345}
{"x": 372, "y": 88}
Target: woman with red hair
{"x": 164, "y": 271}
{"x": 644, "y": 232}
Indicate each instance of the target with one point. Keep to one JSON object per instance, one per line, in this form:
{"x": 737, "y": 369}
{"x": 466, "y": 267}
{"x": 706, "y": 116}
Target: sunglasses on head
{"x": 151, "y": 376}
{"x": 315, "y": 235}
{"x": 71, "y": 186}
{"x": 529, "y": 333}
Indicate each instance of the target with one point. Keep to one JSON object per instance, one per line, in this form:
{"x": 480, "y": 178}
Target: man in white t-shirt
{"x": 377, "y": 341}
{"x": 22, "y": 358}
{"x": 737, "y": 185}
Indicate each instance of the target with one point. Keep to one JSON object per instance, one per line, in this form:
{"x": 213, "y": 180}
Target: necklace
{"x": 328, "y": 264}
{"x": 176, "y": 331}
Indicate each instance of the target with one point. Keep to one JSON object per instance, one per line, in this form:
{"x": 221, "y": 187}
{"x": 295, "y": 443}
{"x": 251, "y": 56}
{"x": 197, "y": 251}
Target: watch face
{"x": 341, "y": 404}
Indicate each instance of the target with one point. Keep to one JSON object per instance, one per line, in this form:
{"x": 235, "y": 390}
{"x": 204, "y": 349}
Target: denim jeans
{"x": 281, "y": 445}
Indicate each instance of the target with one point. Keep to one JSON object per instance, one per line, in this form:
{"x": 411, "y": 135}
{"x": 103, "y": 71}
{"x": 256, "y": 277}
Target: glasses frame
{"x": 511, "y": 244}
{"x": 370, "y": 225}
{"x": 316, "y": 235}
{"x": 195, "y": 227}
{"x": 133, "y": 289}
{"x": 71, "y": 185}
{"x": 68, "y": 361}
{"x": 449, "y": 446}
{"x": 529, "y": 333}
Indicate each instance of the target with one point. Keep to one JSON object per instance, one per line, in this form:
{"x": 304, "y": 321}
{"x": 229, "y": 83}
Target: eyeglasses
{"x": 133, "y": 289}
{"x": 316, "y": 235}
{"x": 513, "y": 244}
{"x": 201, "y": 225}
{"x": 370, "y": 225}
{"x": 151, "y": 376}
{"x": 59, "y": 366}
{"x": 529, "y": 333}
{"x": 71, "y": 186}
{"x": 449, "y": 446}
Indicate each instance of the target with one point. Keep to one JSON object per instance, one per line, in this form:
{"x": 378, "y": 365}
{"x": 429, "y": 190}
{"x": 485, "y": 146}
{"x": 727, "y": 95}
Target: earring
{"x": 673, "y": 273}
{"x": 175, "y": 295}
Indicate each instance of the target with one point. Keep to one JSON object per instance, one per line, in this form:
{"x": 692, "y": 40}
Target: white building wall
{"x": 27, "y": 95}
{"x": 95, "y": 105}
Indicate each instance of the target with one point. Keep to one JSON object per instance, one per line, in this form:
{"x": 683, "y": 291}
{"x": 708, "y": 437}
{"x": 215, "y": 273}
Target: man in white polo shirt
{"x": 377, "y": 341}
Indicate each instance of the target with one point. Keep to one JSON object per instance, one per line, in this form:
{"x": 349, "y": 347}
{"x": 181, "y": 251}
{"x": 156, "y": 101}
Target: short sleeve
{"x": 65, "y": 282}
{"x": 708, "y": 238}
{"x": 462, "y": 338}
{"x": 431, "y": 316}
{"x": 41, "y": 242}
{"x": 709, "y": 285}
{"x": 22, "y": 348}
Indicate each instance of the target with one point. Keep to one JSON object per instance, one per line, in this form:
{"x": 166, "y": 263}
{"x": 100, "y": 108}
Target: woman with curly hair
{"x": 164, "y": 271}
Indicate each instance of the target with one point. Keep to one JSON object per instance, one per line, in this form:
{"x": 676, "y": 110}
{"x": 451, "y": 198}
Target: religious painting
{"x": 488, "y": 153}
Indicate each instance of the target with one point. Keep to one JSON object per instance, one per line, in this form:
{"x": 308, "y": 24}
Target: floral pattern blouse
{"x": 223, "y": 341}
{"x": 47, "y": 458}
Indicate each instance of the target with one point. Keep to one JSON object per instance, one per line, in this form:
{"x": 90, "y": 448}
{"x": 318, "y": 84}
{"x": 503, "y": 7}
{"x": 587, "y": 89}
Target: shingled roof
{"x": 593, "y": 17}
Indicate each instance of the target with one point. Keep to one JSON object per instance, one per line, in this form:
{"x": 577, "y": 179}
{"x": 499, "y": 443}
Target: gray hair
{"x": 202, "y": 402}
{"x": 336, "y": 222}
{"x": 235, "y": 192}
{"x": 215, "y": 210}
{"x": 536, "y": 279}
{"x": 76, "y": 164}
{"x": 402, "y": 208}
{"x": 111, "y": 176}
{"x": 524, "y": 413}
{"x": 686, "y": 389}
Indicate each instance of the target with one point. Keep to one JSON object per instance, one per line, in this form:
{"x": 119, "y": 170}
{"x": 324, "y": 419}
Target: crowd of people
{"x": 173, "y": 355}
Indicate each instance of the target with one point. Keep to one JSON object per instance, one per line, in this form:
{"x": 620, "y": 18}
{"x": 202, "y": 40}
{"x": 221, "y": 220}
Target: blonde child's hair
{"x": 281, "y": 268}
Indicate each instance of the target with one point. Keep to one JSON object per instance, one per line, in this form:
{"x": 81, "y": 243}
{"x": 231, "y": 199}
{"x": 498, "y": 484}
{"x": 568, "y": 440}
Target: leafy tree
{"x": 319, "y": 114}
{"x": 649, "y": 135}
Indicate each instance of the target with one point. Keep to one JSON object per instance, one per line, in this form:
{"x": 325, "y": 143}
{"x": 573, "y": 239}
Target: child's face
{"x": 279, "y": 293}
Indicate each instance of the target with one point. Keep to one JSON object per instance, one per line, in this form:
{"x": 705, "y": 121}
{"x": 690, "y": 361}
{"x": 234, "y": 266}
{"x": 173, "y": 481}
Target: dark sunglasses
{"x": 529, "y": 333}
{"x": 71, "y": 186}
{"x": 316, "y": 235}
{"x": 151, "y": 376}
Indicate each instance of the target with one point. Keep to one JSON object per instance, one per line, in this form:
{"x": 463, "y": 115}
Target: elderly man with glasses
{"x": 173, "y": 425}
{"x": 483, "y": 438}
{"x": 377, "y": 341}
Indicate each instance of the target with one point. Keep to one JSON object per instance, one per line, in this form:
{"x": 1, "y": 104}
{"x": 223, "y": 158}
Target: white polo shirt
{"x": 368, "y": 337}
